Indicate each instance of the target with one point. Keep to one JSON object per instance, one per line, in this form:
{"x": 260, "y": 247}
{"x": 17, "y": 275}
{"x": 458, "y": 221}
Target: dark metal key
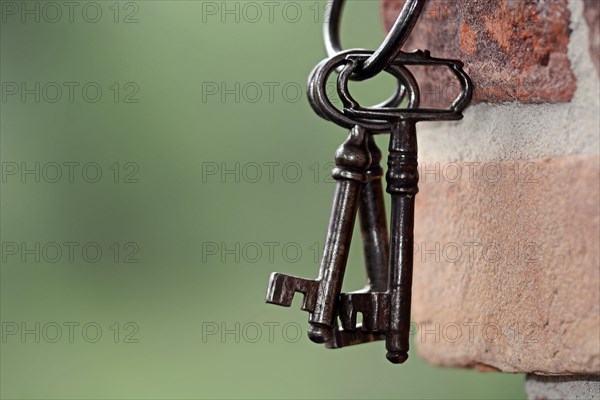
{"x": 392, "y": 309}
{"x": 321, "y": 295}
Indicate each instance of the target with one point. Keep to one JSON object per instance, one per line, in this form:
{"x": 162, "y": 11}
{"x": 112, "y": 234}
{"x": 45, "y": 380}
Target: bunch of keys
{"x": 385, "y": 301}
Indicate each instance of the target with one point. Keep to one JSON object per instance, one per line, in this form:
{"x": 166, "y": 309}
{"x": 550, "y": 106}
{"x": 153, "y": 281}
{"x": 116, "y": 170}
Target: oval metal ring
{"x": 393, "y": 101}
{"x": 389, "y": 48}
{"x": 319, "y": 101}
{"x": 353, "y": 61}
{"x": 454, "y": 112}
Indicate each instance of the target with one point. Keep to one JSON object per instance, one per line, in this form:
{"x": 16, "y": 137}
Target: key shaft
{"x": 402, "y": 183}
{"x": 352, "y": 161}
{"x": 373, "y": 223}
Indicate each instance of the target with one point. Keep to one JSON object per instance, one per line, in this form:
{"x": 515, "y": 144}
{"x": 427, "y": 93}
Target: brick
{"x": 515, "y": 268}
{"x": 514, "y": 50}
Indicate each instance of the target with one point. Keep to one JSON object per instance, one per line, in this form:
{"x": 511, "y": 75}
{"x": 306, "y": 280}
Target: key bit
{"x": 372, "y": 306}
{"x": 352, "y": 160}
{"x": 283, "y": 287}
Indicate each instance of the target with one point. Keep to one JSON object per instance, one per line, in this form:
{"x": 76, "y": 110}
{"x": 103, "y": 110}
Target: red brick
{"x": 514, "y": 50}
{"x": 507, "y": 265}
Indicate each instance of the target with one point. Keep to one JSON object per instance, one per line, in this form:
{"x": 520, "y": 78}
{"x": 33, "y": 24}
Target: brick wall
{"x": 507, "y": 268}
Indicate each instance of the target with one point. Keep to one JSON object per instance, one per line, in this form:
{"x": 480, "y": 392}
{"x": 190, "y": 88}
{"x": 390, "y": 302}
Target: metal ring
{"x": 353, "y": 109}
{"x": 407, "y": 78}
{"x": 389, "y": 48}
{"x": 317, "y": 93}
{"x": 319, "y": 101}
{"x": 396, "y": 98}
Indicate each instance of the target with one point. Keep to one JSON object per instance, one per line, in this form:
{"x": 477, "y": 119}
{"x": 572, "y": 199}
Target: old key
{"x": 385, "y": 301}
{"x": 321, "y": 295}
{"x": 353, "y": 159}
{"x": 402, "y": 183}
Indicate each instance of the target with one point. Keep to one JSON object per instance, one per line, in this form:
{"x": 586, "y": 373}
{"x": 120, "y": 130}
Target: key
{"x": 393, "y": 309}
{"x": 321, "y": 296}
{"x": 386, "y": 314}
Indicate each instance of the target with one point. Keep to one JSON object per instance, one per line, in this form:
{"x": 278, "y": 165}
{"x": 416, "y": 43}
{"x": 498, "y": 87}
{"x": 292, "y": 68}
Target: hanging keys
{"x": 402, "y": 183}
{"x": 369, "y": 301}
{"x": 385, "y": 301}
{"x": 351, "y": 177}
{"x": 321, "y": 296}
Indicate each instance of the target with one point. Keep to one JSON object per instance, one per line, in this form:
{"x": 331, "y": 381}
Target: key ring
{"x": 326, "y": 111}
{"x": 320, "y": 102}
{"x": 358, "y": 173}
{"x": 389, "y": 49}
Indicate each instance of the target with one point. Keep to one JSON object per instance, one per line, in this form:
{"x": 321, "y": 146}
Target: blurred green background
{"x": 159, "y": 161}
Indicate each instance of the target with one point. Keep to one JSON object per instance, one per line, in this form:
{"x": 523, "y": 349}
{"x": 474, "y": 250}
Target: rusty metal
{"x": 354, "y": 111}
{"x": 385, "y": 301}
{"x": 373, "y": 227}
{"x": 374, "y": 234}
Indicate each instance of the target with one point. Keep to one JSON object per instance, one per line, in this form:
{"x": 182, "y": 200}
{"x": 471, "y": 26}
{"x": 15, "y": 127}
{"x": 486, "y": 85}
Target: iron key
{"x": 321, "y": 295}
